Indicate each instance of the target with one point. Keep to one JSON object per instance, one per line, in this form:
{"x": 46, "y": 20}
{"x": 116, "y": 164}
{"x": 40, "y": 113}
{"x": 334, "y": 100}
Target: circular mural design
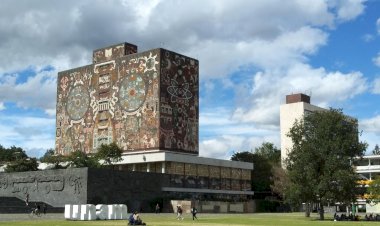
{"x": 77, "y": 102}
{"x": 132, "y": 92}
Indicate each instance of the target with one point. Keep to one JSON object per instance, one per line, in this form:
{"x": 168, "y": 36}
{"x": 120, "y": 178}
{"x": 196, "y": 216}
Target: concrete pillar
{"x": 163, "y": 167}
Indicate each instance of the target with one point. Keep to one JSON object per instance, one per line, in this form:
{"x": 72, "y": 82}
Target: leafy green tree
{"x": 78, "y": 159}
{"x": 55, "y": 159}
{"x": 109, "y": 153}
{"x": 280, "y": 181}
{"x": 11, "y": 154}
{"x": 374, "y": 191}
{"x": 264, "y": 159}
{"x": 376, "y": 150}
{"x": 22, "y": 164}
{"x": 270, "y": 152}
{"x": 319, "y": 163}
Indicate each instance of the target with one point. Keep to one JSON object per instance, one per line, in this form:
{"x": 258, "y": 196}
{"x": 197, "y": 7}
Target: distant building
{"x": 368, "y": 168}
{"x": 297, "y": 105}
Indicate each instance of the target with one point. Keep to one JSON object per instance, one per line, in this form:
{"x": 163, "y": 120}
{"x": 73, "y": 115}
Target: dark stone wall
{"x": 54, "y": 187}
{"x": 136, "y": 189}
{"x": 83, "y": 185}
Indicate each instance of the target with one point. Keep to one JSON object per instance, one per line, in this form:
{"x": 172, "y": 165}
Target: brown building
{"x": 148, "y": 104}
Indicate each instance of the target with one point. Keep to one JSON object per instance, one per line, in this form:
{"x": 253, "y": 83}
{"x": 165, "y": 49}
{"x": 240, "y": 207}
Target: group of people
{"x": 350, "y": 217}
{"x": 193, "y": 211}
{"x": 372, "y": 218}
{"x": 135, "y": 219}
{"x": 344, "y": 217}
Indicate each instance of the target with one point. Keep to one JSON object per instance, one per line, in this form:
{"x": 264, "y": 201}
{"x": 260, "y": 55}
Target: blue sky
{"x": 251, "y": 53}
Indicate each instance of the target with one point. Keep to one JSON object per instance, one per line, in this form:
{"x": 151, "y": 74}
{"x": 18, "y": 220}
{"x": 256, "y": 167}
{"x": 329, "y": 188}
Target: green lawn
{"x": 259, "y": 219}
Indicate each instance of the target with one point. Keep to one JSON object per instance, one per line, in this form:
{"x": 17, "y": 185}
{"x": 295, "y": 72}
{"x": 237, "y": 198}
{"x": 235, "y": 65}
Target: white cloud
{"x": 376, "y": 86}
{"x": 29, "y": 133}
{"x": 368, "y": 37}
{"x": 371, "y": 124}
{"x": 288, "y": 48}
{"x": 223, "y": 35}
{"x": 219, "y": 147}
{"x": 38, "y": 91}
{"x": 224, "y": 146}
{"x": 376, "y": 60}
{"x": 348, "y": 9}
{"x": 2, "y": 106}
{"x": 270, "y": 87}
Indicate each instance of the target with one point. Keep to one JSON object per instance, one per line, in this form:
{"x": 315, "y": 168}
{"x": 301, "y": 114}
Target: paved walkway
{"x": 25, "y": 216}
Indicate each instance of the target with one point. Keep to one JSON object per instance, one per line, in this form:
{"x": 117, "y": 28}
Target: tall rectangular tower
{"x": 297, "y": 105}
{"x": 142, "y": 101}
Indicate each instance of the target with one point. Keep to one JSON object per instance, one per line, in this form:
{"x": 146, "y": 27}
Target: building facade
{"x": 148, "y": 104}
{"x": 141, "y": 101}
{"x": 297, "y": 105}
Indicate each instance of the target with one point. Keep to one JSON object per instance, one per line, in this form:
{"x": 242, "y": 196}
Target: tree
{"x": 270, "y": 152}
{"x": 22, "y": 164}
{"x": 376, "y": 150}
{"x": 374, "y": 191}
{"x": 264, "y": 159}
{"x": 78, "y": 159}
{"x": 261, "y": 180}
{"x": 51, "y": 158}
{"x": 319, "y": 163}
{"x": 11, "y": 154}
{"x": 109, "y": 153}
{"x": 280, "y": 181}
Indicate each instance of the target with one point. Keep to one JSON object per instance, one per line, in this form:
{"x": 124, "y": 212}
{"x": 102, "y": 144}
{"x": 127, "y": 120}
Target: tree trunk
{"x": 307, "y": 209}
{"x": 321, "y": 212}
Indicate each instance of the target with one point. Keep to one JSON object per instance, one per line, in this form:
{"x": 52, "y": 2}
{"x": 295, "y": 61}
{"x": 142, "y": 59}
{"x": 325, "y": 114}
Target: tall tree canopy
{"x": 319, "y": 163}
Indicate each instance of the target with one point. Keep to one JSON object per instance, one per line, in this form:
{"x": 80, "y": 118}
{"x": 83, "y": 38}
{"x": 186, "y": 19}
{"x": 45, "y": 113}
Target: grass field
{"x": 258, "y": 219}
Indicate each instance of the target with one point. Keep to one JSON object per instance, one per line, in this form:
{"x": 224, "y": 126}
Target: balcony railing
{"x": 372, "y": 168}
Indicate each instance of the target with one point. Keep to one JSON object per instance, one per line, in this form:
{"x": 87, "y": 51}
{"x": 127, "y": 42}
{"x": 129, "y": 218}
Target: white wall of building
{"x": 288, "y": 115}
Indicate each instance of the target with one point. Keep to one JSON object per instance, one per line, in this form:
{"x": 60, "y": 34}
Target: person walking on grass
{"x": 194, "y": 212}
{"x": 179, "y": 213}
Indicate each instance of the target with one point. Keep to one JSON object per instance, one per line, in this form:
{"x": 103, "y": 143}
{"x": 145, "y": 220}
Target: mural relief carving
{"x": 75, "y": 181}
{"x": 141, "y": 101}
{"x": 44, "y": 184}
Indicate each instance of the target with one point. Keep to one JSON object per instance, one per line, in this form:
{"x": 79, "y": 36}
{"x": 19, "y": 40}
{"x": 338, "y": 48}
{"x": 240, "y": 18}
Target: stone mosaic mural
{"x": 141, "y": 101}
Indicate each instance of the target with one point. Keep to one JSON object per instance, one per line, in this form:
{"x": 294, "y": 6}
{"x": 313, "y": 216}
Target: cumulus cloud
{"x": 270, "y": 87}
{"x": 38, "y": 91}
{"x": 223, "y": 35}
{"x": 376, "y": 60}
{"x": 376, "y": 86}
{"x": 224, "y": 146}
{"x": 348, "y": 9}
{"x": 29, "y": 133}
{"x": 371, "y": 124}
{"x": 2, "y": 106}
